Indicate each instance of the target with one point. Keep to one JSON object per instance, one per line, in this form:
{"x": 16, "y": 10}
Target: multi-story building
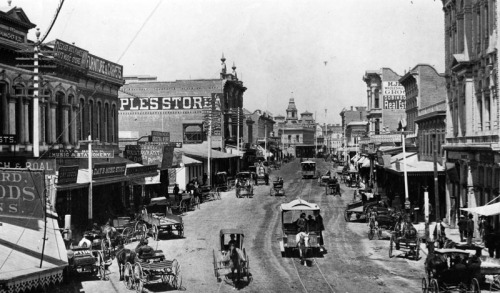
{"x": 259, "y": 125}
{"x": 180, "y": 107}
{"x": 349, "y": 115}
{"x": 472, "y": 129}
{"x": 297, "y": 135}
{"x": 385, "y": 100}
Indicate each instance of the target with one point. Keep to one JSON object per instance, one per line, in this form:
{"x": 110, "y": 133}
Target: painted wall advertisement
{"x": 394, "y": 95}
{"x": 21, "y": 194}
{"x": 164, "y": 103}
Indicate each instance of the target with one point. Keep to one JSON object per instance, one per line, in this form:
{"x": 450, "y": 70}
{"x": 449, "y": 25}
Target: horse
{"x": 124, "y": 255}
{"x": 435, "y": 264}
{"x": 237, "y": 261}
{"x": 303, "y": 245}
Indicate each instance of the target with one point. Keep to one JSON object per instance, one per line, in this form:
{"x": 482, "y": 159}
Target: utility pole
{"x": 209, "y": 149}
{"x": 265, "y": 140}
{"x": 238, "y": 139}
{"x": 436, "y": 185}
{"x": 36, "y": 107}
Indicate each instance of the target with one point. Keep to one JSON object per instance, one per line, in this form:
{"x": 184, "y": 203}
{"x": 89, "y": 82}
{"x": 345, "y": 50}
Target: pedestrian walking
{"x": 462, "y": 227}
{"x": 470, "y": 230}
{"x": 321, "y": 227}
{"x": 176, "y": 192}
{"x": 205, "y": 178}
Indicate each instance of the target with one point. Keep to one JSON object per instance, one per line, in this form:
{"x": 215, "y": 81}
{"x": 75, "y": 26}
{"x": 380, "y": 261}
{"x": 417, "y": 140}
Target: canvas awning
{"x": 299, "y": 205}
{"x": 201, "y": 151}
{"x": 21, "y": 251}
{"x": 487, "y": 210}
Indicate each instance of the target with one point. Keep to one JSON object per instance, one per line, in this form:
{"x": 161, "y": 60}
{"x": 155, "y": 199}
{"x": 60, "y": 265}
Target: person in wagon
{"x": 233, "y": 241}
{"x": 143, "y": 249}
{"x": 301, "y": 223}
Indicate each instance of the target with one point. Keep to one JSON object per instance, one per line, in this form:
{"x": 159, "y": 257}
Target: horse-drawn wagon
{"x": 277, "y": 188}
{"x": 232, "y": 256}
{"x": 308, "y": 169}
{"x": 152, "y": 268}
{"x": 91, "y": 259}
{"x": 293, "y": 237}
{"x": 358, "y": 208}
{"x": 244, "y": 184}
{"x": 333, "y": 187}
{"x": 379, "y": 219}
{"x": 405, "y": 238}
{"x": 158, "y": 220}
{"x": 451, "y": 270}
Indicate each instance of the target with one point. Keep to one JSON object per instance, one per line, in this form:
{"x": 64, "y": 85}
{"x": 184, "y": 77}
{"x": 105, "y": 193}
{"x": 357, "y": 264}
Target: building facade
{"x": 472, "y": 129}
{"x": 386, "y": 100}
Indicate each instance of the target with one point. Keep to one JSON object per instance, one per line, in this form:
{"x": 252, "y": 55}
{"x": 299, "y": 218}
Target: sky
{"x": 315, "y": 51}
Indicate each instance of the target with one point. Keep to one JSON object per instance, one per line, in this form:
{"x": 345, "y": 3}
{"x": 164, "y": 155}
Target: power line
{"x": 140, "y": 29}
{"x": 53, "y": 21}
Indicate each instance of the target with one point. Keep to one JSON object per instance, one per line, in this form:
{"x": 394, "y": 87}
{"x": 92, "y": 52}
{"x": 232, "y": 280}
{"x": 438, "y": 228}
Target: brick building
{"x": 472, "y": 112}
{"x": 257, "y": 123}
{"x": 180, "y": 107}
{"x": 385, "y": 100}
{"x": 348, "y": 115}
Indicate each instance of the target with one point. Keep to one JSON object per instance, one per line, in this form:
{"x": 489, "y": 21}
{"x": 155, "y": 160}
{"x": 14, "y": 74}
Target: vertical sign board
{"x": 67, "y": 174}
{"x": 168, "y": 157}
{"x": 21, "y": 194}
{"x": 394, "y": 96}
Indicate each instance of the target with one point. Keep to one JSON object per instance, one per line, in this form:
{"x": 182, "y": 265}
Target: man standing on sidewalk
{"x": 462, "y": 227}
{"x": 470, "y": 230}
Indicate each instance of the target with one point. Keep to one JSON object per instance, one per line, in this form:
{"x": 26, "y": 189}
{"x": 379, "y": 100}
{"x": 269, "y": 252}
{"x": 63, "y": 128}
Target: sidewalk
{"x": 453, "y": 235}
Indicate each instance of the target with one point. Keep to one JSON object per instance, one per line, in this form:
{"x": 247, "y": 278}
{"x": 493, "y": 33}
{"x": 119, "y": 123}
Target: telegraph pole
{"x": 36, "y": 107}
{"x": 436, "y": 184}
{"x": 238, "y": 138}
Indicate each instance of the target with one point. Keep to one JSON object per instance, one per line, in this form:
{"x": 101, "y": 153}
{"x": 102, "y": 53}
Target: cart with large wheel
{"x": 333, "y": 187}
{"x": 244, "y": 184}
{"x": 150, "y": 269}
{"x": 277, "y": 188}
{"x": 451, "y": 270}
{"x": 227, "y": 261}
{"x": 406, "y": 241}
{"x": 158, "y": 220}
{"x": 89, "y": 260}
{"x": 359, "y": 208}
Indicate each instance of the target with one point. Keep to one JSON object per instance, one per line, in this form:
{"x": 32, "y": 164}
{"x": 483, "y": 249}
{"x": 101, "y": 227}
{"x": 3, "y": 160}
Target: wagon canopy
{"x": 231, "y": 231}
{"x": 308, "y": 162}
{"x": 299, "y": 205}
{"x": 486, "y": 210}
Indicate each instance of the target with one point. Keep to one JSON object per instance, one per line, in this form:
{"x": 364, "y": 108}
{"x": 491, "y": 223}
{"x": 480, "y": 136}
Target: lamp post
{"x": 36, "y": 108}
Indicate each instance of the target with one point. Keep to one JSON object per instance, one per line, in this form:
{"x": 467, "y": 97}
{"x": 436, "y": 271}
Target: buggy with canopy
{"x": 235, "y": 261}
{"x": 291, "y": 211}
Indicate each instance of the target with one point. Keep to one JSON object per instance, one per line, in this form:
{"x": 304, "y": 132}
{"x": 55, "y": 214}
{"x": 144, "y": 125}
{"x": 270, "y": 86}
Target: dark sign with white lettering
{"x": 8, "y": 139}
{"x": 108, "y": 170}
{"x": 67, "y": 174}
{"x": 70, "y": 54}
{"x": 21, "y": 194}
{"x": 104, "y": 67}
{"x": 9, "y": 34}
{"x": 160, "y": 136}
{"x": 175, "y": 144}
{"x": 141, "y": 170}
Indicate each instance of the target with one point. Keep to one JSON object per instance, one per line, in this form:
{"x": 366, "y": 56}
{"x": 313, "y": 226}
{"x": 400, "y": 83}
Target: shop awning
{"x": 190, "y": 161}
{"x": 21, "y": 251}
{"x": 413, "y": 165}
{"x": 201, "y": 151}
{"x": 487, "y": 210}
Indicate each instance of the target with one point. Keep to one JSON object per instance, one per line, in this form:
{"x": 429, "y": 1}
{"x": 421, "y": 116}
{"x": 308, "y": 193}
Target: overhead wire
{"x": 53, "y": 21}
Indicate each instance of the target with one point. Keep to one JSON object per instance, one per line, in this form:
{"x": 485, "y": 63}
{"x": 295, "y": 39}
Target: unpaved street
{"x": 352, "y": 262}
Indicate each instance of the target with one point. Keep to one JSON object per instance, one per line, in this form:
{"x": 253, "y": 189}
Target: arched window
{"x": 19, "y": 92}
{"x": 377, "y": 99}
{"x": 59, "y": 117}
{"x": 91, "y": 119}
{"x": 98, "y": 121}
{"x": 71, "y": 119}
{"x": 46, "y": 113}
{"x": 81, "y": 120}
{"x": 106, "y": 123}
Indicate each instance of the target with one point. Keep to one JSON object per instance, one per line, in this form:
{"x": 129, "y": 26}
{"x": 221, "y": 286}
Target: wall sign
{"x": 394, "y": 95}
{"x": 47, "y": 165}
{"x": 21, "y": 193}
{"x": 164, "y": 103}
{"x": 11, "y": 34}
{"x": 141, "y": 170}
{"x": 160, "y": 136}
{"x": 8, "y": 139}
{"x": 104, "y": 67}
{"x": 70, "y": 54}
{"x": 145, "y": 154}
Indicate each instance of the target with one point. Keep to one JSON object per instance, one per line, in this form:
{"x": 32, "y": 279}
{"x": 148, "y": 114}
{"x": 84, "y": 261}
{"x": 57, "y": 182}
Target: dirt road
{"x": 352, "y": 262}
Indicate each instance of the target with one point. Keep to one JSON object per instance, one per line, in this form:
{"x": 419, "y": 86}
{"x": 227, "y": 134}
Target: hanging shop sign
{"x": 175, "y": 144}
{"x": 70, "y": 54}
{"x": 141, "y": 170}
{"x": 80, "y": 154}
{"x": 144, "y": 154}
{"x": 47, "y": 165}
{"x": 394, "y": 95}
{"x": 108, "y": 170}
{"x": 160, "y": 136}
{"x": 8, "y": 139}
{"x": 67, "y": 174}
{"x": 11, "y": 34}
{"x": 21, "y": 193}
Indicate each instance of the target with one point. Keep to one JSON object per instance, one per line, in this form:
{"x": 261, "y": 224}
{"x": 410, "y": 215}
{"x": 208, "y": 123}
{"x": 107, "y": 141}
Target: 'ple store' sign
{"x": 165, "y": 103}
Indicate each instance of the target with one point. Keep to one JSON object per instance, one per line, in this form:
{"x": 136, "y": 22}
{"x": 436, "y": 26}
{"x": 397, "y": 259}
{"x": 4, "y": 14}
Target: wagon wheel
{"x": 391, "y": 244}
{"x": 138, "y": 277}
{"x": 216, "y": 267}
{"x": 176, "y": 278}
{"x": 128, "y": 276}
{"x": 417, "y": 249}
{"x": 155, "y": 232}
{"x": 425, "y": 285}
{"x": 101, "y": 265}
{"x": 371, "y": 233}
{"x": 474, "y": 286}
{"x": 127, "y": 234}
{"x": 433, "y": 286}
{"x": 180, "y": 230}
{"x": 347, "y": 216}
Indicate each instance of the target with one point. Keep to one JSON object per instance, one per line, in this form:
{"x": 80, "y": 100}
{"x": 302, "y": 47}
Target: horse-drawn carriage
{"x": 405, "y": 238}
{"x": 333, "y": 187}
{"x": 359, "y": 208}
{"x": 231, "y": 256}
{"x": 451, "y": 270}
{"x": 244, "y": 184}
{"x": 379, "y": 219}
{"x": 262, "y": 175}
{"x": 292, "y": 237}
{"x": 221, "y": 181}
{"x": 324, "y": 179}
{"x": 277, "y": 188}
{"x": 308, "y": 169}
{"x": 92, "y": 259}
{"x": 157, "y": 219}
{"x": 152, "y": 268}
